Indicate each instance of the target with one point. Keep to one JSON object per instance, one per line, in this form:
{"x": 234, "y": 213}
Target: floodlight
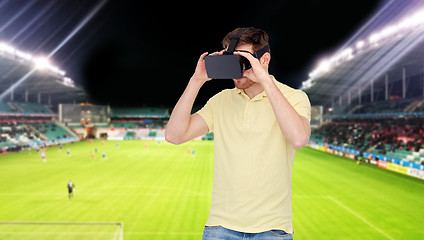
{"x": 60, "y": 72}
{"x": 23, "y": 55}
{"x": 68, "y": 82}
{"x": 41, "y": 63}
{"x": 7, "y": 48}
{"x": 360, "y": 44}
{"x": 307, "y": 84}
{"x": 324, "y": 66}
{"x": 375, "y": 37}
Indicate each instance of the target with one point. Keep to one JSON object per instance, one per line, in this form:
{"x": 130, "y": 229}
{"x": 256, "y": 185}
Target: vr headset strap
{"x": 234, "y": 40}
{"x": 258, "y": 54}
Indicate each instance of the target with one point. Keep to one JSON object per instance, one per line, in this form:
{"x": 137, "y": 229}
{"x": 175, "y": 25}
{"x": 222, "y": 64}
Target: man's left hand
{"x": 257, "y": 73}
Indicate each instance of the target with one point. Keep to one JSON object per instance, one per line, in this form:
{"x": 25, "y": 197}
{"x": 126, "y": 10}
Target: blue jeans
{"x": 221, "y": 233}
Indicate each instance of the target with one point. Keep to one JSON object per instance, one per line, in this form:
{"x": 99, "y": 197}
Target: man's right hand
{"x": 200, "y": 74}
{"x": 182, "y": 126}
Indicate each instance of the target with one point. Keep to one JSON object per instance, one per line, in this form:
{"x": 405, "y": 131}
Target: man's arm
{"x": 295, "y": 127}
{"x": 182, "y": 126}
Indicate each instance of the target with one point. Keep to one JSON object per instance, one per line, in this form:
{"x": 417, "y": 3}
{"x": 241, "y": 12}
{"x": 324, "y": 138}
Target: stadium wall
{"x": 124, "y": 133}
{"x": 381, "y": 161}
{"x": 129, "y": 133}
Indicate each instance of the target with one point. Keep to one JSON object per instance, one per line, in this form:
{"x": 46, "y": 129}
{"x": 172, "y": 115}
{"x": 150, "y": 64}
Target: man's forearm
{"x": 180, "y": 117}
{"x": 294, "y": 127}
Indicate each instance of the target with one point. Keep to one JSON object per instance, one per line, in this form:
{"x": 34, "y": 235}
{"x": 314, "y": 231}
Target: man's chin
{"x": 243, "y": 83}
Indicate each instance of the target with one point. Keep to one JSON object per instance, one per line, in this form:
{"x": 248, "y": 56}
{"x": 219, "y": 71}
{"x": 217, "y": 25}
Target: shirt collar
{"x": 260, "y": 96}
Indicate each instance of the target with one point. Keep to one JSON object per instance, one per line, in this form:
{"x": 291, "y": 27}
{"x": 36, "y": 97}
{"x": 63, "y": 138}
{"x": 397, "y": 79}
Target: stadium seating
{"x": 24, "y": 108}
{"x": 392, "y": 108}
{"x": 395, "y": 138}
{"x": 135, "y": 112}
{"x": 6, "y": 108}
{"x": 122, "y": 124}
{"x": 32, "y": 124}
{"x": 138, "y": 123}
{"x": 32, "y": 108}
{"x": 24, "y": 125}
{"x": 13, "y": 133}
{"x": 51, "y": 130}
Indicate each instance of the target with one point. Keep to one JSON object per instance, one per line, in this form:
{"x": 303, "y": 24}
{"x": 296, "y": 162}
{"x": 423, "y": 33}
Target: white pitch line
{"x": 103, "y": 232}
{"x": 360, "y": 217}
{"x": 164, "y": 233}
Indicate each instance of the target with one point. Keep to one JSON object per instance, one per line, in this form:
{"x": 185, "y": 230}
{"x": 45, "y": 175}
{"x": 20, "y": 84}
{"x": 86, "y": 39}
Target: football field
{"x": 162, "y": 191}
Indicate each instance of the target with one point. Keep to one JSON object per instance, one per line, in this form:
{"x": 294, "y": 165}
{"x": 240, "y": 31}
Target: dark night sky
{"x": 134, "y": 53}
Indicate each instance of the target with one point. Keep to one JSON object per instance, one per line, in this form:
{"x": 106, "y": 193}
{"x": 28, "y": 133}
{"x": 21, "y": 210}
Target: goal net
{"x": 61, "y": 230}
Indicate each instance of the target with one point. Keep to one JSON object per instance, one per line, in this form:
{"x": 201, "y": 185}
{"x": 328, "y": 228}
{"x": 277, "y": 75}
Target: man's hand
{"x": 200, "y": 74}
{"x": 257, "y": 73}
{"x": 182, "y": 126}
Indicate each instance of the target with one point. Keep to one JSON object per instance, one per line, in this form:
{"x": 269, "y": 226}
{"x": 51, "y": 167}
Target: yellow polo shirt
{"x": 253, "y": 160}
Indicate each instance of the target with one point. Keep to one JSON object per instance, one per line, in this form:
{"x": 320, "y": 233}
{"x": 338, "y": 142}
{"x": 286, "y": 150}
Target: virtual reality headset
{"x": 228, "y": 65}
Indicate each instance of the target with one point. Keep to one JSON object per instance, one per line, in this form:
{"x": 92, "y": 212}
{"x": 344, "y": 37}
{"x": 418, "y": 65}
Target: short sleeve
{"x": 301, "y": 104}
{"x": 207, "y": 113}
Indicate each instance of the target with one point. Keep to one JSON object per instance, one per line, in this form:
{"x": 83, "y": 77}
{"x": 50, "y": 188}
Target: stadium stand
{"x": 51, "y": 130}
{"x": 139, "y": 123}
{"x": 397, "y": 139}
{"x": 32, "y": 108}
{"x": 391, "y": 108}
{"x": 31, "y": 89}
{"x": 363, "y": 134}
{"x": 26, "y": 125}
{"x": 150, "y": 112}
{"x": 123, "y": 123}
{"x": 372, "y": 92}
{"x": 6, "y": 108}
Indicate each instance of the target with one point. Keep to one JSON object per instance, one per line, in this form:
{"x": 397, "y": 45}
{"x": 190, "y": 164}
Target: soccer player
{"x": 43, "y": 155}
{"x": 71, "y": 187}
{"x": 68, "y": 151}
{"x": 103, "y": 155}
{"x": 359, "y": 158}
{"x": 258, "y": 125}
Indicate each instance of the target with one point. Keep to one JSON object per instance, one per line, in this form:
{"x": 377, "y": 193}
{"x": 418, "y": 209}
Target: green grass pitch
{"x": 162, "y": 191}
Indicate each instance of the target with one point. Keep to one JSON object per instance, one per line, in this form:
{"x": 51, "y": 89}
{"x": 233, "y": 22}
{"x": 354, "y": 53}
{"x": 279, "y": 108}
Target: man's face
{"x": 244, "y": 82}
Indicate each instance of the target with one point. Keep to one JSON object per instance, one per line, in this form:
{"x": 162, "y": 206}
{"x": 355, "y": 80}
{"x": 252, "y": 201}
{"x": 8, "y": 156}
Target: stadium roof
{"x": 391, "y": 43}
{"x": 23, "y": 78}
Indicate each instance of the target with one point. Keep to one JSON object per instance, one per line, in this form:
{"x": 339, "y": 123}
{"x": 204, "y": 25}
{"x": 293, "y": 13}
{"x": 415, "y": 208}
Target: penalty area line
{"x": 360, "y": 217}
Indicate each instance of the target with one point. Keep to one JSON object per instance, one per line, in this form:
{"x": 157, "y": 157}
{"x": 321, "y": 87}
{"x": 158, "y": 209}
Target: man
{"x": 43, "y": 155}
{"x": 258, "y": 125}
{"x": 71, "y": 187}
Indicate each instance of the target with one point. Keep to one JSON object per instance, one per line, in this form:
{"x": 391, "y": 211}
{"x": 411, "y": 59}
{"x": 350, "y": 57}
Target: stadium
{"x": 360, "y": 177}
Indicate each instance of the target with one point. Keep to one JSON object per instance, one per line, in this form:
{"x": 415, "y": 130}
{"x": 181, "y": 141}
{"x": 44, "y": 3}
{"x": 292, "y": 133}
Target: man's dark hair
{"x": 258, "y": 38}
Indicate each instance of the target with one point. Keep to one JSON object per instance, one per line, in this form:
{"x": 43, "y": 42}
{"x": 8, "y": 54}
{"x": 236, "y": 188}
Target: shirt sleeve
{"x": 301, "y": 104}
{"x": 207, "y": 113}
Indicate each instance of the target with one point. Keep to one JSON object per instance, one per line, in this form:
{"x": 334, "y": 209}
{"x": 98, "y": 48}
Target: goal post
{"x": 61, "y": 230}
